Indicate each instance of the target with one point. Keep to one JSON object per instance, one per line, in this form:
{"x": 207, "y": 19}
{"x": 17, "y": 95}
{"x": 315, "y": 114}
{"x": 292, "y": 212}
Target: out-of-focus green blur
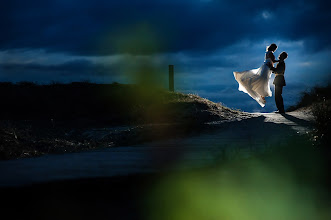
{"x": 283, "y": 184}
{"x": 139, "y": 45}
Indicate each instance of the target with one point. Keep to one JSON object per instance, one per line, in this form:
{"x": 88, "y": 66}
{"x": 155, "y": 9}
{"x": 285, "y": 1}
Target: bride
{"x": 256, "y": 82}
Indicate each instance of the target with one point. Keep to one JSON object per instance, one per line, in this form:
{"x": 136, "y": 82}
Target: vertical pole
{"x": 171, "y": 78}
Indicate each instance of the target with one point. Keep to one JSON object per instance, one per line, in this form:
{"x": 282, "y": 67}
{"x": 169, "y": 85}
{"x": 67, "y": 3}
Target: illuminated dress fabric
{"x": 256, "y": 82}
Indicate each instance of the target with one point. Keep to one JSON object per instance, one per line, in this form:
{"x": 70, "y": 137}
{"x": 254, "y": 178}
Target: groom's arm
{"x": 280, "y": 68}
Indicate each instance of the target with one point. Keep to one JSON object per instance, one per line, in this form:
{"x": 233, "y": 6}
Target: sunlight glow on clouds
{"x": 305, "y": 64}
{"x": 266, "y": 15}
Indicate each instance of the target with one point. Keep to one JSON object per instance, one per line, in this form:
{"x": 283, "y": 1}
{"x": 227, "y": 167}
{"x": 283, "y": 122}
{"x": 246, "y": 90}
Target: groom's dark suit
{"x": 279, "y": 82}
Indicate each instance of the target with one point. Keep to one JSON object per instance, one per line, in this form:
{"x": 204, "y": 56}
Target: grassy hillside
{"x": 111, "y": 103}
{"x": 42, "y": 119}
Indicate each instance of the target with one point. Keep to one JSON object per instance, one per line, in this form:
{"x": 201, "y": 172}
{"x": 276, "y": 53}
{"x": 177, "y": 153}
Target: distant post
{"x": 171, "y": 78}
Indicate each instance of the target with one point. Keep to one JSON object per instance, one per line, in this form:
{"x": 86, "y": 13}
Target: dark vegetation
{"x": 40, "y": 119}
{"x": 105, "y": 103}
{"x": 317, "y": 94}
{"x": 293, "y": 177}
{"x": 319, "y": 100}
{"x": 58, "y": 118}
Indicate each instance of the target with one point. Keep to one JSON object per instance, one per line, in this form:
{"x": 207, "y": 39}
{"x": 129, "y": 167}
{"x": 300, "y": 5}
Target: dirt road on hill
{"x": 241, "y": 136}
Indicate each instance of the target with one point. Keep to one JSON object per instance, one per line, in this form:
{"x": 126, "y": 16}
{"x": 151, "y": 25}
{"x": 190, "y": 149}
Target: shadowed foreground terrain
{"x": 224, "y": 165}
{"x": 288, "y": 181}
{"x": 104, "y": 103}
{"x": 59, "y": 118}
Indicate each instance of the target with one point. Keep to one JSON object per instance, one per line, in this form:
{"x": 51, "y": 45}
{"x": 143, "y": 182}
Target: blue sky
{"x": 206, "y": 40}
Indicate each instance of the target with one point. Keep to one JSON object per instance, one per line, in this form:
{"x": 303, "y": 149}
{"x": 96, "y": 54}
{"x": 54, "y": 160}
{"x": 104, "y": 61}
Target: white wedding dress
{"x": 256, "y": 82}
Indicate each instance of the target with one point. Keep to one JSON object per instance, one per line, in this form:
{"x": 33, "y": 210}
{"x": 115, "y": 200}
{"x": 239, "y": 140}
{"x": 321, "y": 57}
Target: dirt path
{"x": 259, "y": 132}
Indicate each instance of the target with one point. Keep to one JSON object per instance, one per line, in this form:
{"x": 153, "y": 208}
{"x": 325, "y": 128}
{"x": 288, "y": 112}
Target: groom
{"x": 279, "y": 81}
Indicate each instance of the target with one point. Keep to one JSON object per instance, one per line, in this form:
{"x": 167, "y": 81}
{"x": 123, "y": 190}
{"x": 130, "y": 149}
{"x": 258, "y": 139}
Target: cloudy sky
{"x": 103, "y": 41}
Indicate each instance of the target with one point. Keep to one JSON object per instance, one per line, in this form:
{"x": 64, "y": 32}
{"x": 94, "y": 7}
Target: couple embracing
{"x": 256, "y": 82}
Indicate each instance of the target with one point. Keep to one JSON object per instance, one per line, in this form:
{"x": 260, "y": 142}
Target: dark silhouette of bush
{"x": 322, "y": 115}
{"x": 316, "y": 94}
{"x": 319, "y": 99}
{"x": 108, "y": 103}
{"x": 77, "y": 100}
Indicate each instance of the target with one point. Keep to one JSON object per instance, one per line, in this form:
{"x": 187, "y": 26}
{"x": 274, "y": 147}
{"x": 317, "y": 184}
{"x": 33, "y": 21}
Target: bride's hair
{"x": 272, "y": 47}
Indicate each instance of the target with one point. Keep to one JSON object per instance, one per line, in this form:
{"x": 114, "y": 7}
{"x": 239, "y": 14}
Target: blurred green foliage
{"x": 284, "y": 183}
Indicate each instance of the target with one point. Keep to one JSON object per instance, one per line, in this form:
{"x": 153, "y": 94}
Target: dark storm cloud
{"x": 95, "y": 27}
{"x": 69, "y": 71}
{"x": 78, "y": 66}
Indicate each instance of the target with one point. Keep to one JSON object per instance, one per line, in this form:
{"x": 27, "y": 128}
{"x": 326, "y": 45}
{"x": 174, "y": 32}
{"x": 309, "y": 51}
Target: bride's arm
{"x": 273, "y": 59}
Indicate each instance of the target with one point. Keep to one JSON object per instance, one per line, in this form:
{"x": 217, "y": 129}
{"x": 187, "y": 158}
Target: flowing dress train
{"x": 256, "y": 82}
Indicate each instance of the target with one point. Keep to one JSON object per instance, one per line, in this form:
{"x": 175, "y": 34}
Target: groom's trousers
{"x": 279, "y": 98}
